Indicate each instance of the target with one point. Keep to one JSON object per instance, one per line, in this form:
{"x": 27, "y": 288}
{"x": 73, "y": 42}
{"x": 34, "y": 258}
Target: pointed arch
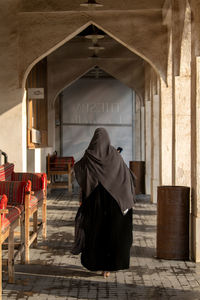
{"x": 80, "y": 70}
{"x": 39, "y": 42}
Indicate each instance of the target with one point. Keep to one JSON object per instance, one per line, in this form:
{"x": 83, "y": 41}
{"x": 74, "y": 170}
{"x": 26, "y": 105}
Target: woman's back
{"x": 108, "y": 233}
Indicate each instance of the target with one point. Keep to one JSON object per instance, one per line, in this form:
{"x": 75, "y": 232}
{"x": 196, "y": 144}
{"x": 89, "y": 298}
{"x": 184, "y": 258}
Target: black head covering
{"x": 102, "y": 163}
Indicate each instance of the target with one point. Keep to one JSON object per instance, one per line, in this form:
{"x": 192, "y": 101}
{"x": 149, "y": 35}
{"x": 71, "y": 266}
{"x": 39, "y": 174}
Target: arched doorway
{"x": 68, "y": 61}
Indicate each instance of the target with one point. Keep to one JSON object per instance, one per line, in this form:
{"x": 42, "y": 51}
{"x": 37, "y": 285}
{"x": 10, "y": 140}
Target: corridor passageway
{"x": 133, "y": 67}
{"x": 55, "y": 273}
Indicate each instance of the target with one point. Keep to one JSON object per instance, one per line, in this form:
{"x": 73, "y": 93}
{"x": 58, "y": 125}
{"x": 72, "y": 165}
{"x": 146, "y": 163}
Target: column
{"x": 137, "y": 129}
{"x": 182, "y": 141}
{"x": 155, "y": 176}
{"x": 134, "y": 128}
{"x": 182, "y": 108}
{"x": 142, "y": 134}
{"x": 148, "y": 147}
{"x": 195, "y": 165}
{"x": 166, "y": 125}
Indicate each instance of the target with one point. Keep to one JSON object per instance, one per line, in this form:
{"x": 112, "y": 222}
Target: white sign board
{"x": 36, "y": 93}
{"x": 35, "y": 136}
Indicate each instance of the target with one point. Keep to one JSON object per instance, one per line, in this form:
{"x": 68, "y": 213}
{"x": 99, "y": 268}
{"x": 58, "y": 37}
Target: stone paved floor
{"x": 56, "y": 274}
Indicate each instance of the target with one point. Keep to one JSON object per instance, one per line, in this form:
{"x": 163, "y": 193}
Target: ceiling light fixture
{"x": 91, "y": 4}
{"x": 95, "y": 34}
{"x": 94, "y": 37}
{"x": 96, "y": 47}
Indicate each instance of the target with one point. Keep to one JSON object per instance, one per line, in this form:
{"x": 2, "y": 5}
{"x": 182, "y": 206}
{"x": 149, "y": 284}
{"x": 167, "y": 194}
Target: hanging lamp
{"x": 91, "y": 4}
{"x": 95, "y": 35}
{"x": 96, "y": 47}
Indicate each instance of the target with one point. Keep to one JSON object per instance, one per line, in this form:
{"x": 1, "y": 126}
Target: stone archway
{"x": 96, "y": 100}
{"x": 119, "y": 71}
{"x": 69, "y": 76}
{"x": 37, "y": 41}
{"x": 138, "y": 88}
{"x": 137, "y": 40}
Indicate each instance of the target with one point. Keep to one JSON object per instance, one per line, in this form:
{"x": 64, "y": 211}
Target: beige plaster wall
{"x": 12, "y": 118}
{"x": 37, "y": 159}
{"x": 10, "y": 95}
{"x": 11, "y": 137}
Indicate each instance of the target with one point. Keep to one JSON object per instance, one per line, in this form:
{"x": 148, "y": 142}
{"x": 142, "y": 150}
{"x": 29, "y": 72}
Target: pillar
{"x": 148, "y": 147}
{"x": 137, "y": 129}
{"x": 195, "y": 133}
{"x": 155, "y": 176}
{"x": 182, "y": 107}
{"x": 134, "y": 128}
{"x": 166, "y": 125}
{"x": 182, "y": 141}
{"x": 147, "y": 130}
{"x": 195, "y": 155}
{"x": 142, "y": 134}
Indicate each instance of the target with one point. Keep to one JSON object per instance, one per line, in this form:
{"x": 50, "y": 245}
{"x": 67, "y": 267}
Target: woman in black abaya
{"x": 104, "y": 220}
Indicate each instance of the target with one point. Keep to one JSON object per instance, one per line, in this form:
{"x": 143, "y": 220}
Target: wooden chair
{"x": 58, "y": 166}
{"x": 37, "y": 187}
{"x": 11, "y": 217}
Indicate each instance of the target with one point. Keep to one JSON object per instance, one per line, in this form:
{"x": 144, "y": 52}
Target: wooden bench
{"x": 37, "y": 187}
{"x": 58, "y": 166}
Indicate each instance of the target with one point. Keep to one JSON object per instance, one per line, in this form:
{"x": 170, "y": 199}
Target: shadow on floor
{"x": 62, "y": 207}
{"x": 57, "y": 281}
{"x": 144, "y": 228}
{"x": 143, "y": 212}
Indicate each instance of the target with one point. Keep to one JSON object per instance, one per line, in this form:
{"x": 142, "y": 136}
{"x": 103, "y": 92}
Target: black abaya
{"x": 108, "y": 233}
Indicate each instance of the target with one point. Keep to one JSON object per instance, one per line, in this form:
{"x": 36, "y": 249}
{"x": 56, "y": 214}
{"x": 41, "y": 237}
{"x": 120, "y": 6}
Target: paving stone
{"x": 54, "y": 273}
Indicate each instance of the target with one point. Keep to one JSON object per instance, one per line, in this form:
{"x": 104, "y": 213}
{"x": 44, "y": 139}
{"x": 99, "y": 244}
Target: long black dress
{"x": 108, "y": 233}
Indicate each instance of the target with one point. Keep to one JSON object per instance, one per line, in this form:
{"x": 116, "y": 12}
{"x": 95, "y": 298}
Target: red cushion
{"x": 3, "y": 205}
{"x": 14, "y": 190}
{"x": 6, "y": 171}
{"x": 38, "y": 180}
{"x": 3, "y": 201}
{"x": 13, "y": 214}
{"x": 60, "y": 163}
